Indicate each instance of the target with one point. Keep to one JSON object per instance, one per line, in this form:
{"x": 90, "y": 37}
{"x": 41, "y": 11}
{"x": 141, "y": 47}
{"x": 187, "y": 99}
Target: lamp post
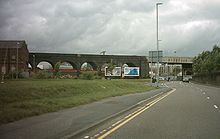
{"x": 17, "y": 60}
{"x": 34, "y": 63}
{"x": 167, "y": 71}
{"x": 175, "y": 75}
{"x": 151, "y": 68}
{"x": 157, "y": 41}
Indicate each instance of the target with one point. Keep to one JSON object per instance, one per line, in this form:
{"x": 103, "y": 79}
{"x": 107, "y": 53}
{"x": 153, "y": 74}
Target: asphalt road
{"x": 191, "y": 111}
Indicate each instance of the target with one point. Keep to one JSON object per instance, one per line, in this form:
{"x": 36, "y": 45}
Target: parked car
{"x": 161, "y": 78}
{"x": 185, "y": 79}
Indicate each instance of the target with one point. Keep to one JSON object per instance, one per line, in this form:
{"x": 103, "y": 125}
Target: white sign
{"x": 131, "y": 71}
{"x": 115, "y": 72}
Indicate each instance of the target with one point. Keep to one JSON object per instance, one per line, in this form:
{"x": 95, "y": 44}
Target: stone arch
{"x": 88, "y": 66}
{"x": 68, "y": 65}
{"x": 44, "y": 65}
{"x": 30, "y": 65}
{"x": 129, "y": 64}
{"x": 124, "y": 65}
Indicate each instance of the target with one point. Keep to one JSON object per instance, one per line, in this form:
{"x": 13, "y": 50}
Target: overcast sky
{"x": 116, "y": 26}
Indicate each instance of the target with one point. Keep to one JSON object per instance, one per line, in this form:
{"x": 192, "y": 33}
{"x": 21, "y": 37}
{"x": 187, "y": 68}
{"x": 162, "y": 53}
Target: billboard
{"x": 115, "y": 72}
{"x": 131, "y": 71}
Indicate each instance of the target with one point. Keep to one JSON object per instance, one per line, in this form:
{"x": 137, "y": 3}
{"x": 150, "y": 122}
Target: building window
{"x": 12, "y": 68}
{"x": 13, "y": 57}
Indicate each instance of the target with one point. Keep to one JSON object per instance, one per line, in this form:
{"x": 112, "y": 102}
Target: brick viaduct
{"x": 96, "y": 61}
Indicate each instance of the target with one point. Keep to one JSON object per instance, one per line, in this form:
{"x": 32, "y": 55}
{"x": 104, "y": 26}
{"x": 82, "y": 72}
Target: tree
{"x": 216, "y": 57}
{"x": 111, "y": 66}
{"x": 207, "y": 62}
{"x": 57, "y": 67}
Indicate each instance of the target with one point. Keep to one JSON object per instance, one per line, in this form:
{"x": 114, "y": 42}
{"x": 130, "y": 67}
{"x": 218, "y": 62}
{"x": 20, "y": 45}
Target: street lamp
{"x": 34, "y": 62}
{"x": 175, "y": 60}
{"x": 157, "y": 41}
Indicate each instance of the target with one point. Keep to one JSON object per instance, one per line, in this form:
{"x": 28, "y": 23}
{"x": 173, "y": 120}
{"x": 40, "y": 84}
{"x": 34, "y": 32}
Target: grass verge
{"x": 25, "y": 98}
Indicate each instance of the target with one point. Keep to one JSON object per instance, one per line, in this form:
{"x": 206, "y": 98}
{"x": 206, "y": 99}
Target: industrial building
{"x": 14, "y": 57}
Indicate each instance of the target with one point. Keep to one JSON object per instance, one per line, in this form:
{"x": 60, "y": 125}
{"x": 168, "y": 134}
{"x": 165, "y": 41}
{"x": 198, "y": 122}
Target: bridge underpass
{"x": 172, "y": 66}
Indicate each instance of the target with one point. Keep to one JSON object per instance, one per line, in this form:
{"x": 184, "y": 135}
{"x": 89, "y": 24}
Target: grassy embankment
{"x": 25, "y": 98}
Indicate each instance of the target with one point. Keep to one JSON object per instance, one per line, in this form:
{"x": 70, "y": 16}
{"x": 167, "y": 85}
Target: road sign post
{"x": 156, "y": 57}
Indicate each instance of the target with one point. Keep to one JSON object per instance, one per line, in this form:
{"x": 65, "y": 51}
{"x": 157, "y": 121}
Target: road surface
{"x": 190, "y": 111}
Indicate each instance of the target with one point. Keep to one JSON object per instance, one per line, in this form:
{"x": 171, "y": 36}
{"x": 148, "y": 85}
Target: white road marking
{"x": 166, "y": 85}
{"x": 96, "y": 135}
{"x": 86, "y": 137}
{"x": 216, "y": 106}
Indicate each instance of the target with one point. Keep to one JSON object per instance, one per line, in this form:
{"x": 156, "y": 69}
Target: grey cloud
{"x": 117, "y": 26}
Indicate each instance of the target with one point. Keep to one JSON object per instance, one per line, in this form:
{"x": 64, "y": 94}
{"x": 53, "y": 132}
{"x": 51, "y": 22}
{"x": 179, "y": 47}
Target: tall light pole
{"x": 175, "y": 75}
{"x": 34, "y": 63}
{"x": 157, "y": 41}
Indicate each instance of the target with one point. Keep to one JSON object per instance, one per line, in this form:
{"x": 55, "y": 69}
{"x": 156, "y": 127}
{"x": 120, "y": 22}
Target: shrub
{"x": 88, "y": 75}
{"x": 67, "y": 76}
{"x": 43, "y": 75}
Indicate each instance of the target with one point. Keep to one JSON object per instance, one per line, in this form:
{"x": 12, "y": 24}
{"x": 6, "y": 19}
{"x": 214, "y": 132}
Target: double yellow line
{"x": 135, "y": 114}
